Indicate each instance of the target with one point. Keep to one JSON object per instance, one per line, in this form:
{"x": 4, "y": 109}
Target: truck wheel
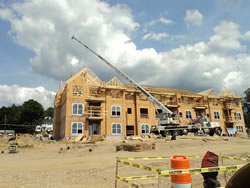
{"x": 218, "y": 132}
{"x": 176, "y": 133}
{"x": 211, "y": 133}
{"x": 164, "y": 133}
{"x": 184, "y": 132}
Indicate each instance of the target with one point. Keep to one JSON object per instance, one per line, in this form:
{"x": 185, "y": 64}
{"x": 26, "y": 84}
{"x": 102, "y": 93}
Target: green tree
{"x": 4, "y": 113}
{"x": 12, "y": 114}
{"x": 32, "y": 113}
{"x": 246, "y": 107}
{"x": 15, "y": 114}
{"x": 49, "y": 112}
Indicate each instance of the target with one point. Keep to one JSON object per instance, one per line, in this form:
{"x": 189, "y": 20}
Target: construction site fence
{"x": 43, "y": 143}
{"x": 167, "y": 173}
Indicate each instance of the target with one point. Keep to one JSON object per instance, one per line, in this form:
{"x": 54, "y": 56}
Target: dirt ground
{"x": 53, "y": 166}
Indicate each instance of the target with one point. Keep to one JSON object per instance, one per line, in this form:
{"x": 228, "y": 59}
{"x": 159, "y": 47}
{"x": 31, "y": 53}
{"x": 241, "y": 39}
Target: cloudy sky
{"x": 191, "y": 44}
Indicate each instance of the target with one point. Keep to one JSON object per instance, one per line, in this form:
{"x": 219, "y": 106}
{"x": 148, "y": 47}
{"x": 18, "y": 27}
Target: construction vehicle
{"x": 202, "y": 125}
{"x": 13, "y": 148}
{"x": 167, "y": 126}
{"x": 199, "y": 126}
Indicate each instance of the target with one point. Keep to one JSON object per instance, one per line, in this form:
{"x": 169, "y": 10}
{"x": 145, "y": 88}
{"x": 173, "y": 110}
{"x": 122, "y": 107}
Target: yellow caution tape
{"x": 143, "y": 158}
{"x": 140, "y": 166}
{"x": 193, "y": 171}
{"x": 141, "y": 177}
{"x": 197, "y": 171}
{"x": 128, "y": 182}
{"x": 152, "y": 158}
{"x": 3, "y": 145}
{"x": 236, "y": 158}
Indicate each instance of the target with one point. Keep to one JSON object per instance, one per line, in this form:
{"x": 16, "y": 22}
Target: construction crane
{"x": 166, "y": 114}
{"x": 167, "y": 126}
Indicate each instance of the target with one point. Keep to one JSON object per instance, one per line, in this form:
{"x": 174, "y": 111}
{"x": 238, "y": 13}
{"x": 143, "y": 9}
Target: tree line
{"x": 30, "y": 113}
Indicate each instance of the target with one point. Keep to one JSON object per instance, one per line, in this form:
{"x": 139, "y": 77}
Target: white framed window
{"x": 188, "y": 114}
{"x": 145, "y": 129}
{"x": 235, "y": 116}
{"x": 116, "y": 111}
{"x": 216, "y": 115}
{"x": 239, "y": 128}
{"x": 76, "y": 128}
{"x": 77, "y": 109}
{"x": 116, "y": 129}
{"x": 239, "y": 116}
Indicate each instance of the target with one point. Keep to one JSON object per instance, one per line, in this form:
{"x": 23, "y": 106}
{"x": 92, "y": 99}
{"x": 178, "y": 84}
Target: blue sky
{"x": 193, "y": 45}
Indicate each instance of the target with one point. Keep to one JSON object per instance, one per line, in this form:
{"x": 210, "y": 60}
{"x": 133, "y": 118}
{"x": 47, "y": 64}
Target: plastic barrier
{"x": 180, "y": 180}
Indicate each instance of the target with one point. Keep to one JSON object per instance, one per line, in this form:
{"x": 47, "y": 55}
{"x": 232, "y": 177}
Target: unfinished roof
{"x": 154, "y": 89}
{"x": 88, "y": 76}
{"x": 227, "y": 93}
{"x": 209, "y": 92}
{"x": 93, "y": 80}
{"x": 115, "y": 82}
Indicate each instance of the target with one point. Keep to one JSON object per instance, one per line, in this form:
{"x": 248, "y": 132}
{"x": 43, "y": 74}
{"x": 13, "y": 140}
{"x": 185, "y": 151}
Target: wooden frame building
{"x": 86, "y": 105}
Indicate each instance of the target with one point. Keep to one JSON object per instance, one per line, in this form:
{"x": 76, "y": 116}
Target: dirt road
{"x": 44, "y": 166}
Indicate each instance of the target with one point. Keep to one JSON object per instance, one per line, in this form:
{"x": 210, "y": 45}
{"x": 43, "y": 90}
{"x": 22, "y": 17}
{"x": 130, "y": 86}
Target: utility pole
{"x": 5, "y": 125}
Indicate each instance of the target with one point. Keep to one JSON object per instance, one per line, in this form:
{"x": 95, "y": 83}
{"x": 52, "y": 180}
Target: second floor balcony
{"x": 171, "y": 103}
{"x": 230, "y": 106}
{"x": 94, "y": 112}
{"x": 229, "y": 119}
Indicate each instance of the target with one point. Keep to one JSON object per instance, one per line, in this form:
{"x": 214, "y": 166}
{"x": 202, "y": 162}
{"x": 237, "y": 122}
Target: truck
{"x": 167, "y": 125}
{"x": 200, "y": 126}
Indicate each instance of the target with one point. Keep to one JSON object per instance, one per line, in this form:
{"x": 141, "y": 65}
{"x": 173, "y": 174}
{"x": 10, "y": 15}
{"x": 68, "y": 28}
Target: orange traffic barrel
{"x": 180, "y": 180}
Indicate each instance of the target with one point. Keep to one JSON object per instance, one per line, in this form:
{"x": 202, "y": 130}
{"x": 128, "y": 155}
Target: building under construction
{"x": 86, "y": 105}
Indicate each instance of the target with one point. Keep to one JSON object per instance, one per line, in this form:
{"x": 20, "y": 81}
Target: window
{"x": 188, "y": 114}
{"x": 76, "y": 128}
{"x": 235, "y": 116}
{"x": 129, "y": 111}
{"x": 180, "y": 114}
{"x": 116, "y": 129}
{"x": 77, "y": 109}
{"x": 239, "y": 116}
{"x": 116, "y": 111}
{"x": 144, "y": 112}
{"x": 239, "y": 128}
{"x": 216, "y": 115}
{"x": 145, "y": 129}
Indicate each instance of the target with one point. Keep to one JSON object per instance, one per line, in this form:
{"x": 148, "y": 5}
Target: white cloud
{"x": 227, "y": 37}
{"x": 160, "y": 20}
{"x": 155, "y": 36}
{"x": 45, "y": 27}
{"x": 165, "y": 21}
{"x": 74, "y": 61}
{"x": 234, "y": 79}
{"x": 193, "y": 17}
{"x": 18, "y": 95}
{"x": 246, "y": 36}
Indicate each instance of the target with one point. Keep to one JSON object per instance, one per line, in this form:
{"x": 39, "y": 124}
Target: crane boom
{"x": 164, "y": 109}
